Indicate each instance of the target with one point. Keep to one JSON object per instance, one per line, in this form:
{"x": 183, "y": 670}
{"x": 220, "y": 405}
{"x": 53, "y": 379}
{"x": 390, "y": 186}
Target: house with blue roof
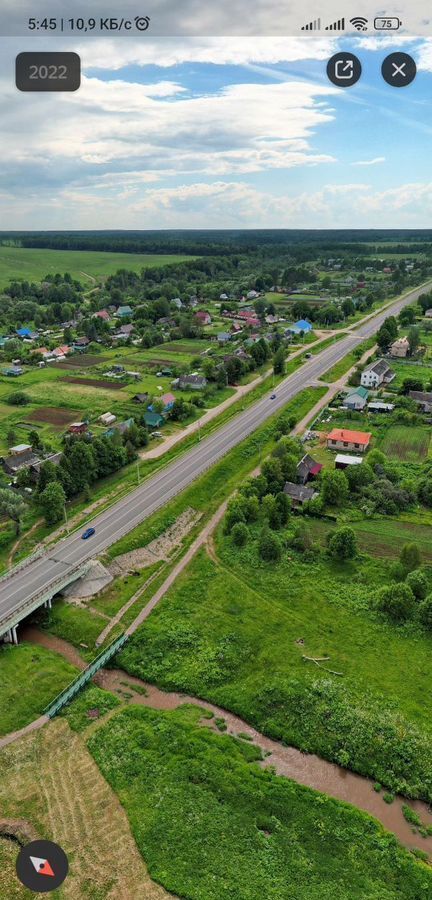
{"x": 302, "y": 326}
{"x": 23, "y": 332}
{"x": 124, "y": 311}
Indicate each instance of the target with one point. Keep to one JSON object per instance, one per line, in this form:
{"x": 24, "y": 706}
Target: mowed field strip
{"x": 52, "y": 776}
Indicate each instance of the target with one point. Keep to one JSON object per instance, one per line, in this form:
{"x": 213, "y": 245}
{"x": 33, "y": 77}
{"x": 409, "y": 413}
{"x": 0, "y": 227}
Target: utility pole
{"x": 199, "y": 430}
{"x": 138, "y": 471}
{"x": 65, "y": 515}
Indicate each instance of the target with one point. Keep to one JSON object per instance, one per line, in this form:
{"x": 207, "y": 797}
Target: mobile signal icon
{"x": 312, "y": 26}
{"x": 339, "y": 25}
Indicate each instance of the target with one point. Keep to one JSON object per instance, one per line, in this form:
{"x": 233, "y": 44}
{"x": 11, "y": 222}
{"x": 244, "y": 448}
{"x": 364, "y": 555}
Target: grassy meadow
{"x": 87, "y": 266}
{"x": 228, "y": 631}
{"x": 210, "y": 823}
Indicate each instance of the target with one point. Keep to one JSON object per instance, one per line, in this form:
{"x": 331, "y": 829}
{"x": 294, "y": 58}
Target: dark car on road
{"x": 273, "y": 397}
{"x": 88, "y": 533}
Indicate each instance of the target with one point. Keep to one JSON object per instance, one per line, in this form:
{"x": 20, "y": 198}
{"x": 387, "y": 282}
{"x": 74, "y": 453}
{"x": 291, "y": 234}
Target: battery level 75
{"x": 387, "y": 23}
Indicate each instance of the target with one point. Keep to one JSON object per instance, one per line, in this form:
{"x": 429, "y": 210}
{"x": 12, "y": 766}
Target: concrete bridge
{"x": 9, "y": 622}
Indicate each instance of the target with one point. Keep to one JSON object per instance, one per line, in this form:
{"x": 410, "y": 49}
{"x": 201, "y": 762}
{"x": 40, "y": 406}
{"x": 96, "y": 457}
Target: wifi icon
{"x": 359, "y": 23}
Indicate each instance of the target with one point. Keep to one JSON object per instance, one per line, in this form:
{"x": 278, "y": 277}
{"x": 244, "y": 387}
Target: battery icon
{"x": 391, "y": 23}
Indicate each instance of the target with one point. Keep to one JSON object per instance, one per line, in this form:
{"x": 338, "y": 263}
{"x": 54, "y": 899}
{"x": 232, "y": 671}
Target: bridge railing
{"x": 84, "y": 677}
{"x": 23, "y": 564}
{"x": 31, "y": 604}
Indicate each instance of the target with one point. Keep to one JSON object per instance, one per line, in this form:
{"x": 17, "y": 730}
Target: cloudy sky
{"x": 223, "y": 132}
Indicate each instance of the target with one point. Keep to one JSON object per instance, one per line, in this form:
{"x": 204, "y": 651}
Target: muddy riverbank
{"x": 304, "y": 768}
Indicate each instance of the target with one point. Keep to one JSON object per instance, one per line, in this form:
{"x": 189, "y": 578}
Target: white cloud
{"x": 158, "y": 129}
{"x": 370, "y": 162}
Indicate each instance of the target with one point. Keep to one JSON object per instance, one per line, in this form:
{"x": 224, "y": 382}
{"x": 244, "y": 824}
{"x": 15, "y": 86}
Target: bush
{"x": 342, "y": 544}
{"x": 418, "y": 583}
{"x": 269, "y": 546}
{"x": 240, "y": 534}
{"x": 335, "y": 488}
{"x": 397, "y": 602}
{"x": 18, "y": 398}
{"x": 410, "y": 557}
{"x": 425, "y": 612}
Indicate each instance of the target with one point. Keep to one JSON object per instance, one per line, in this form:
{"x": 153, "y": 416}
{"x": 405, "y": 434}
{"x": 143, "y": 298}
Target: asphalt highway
{"x": 156, "y": 491}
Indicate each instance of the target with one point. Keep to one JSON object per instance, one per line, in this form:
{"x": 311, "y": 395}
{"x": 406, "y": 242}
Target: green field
{"x": 85, "y": 265}
{"x": 405, "y": 444}
{"x": 31, "y": 676}
{"x": 382, "y": 537}
{"x": 211, "y": 824}
{"x": 405, "y": 370}
{"x": 228, "y": 632}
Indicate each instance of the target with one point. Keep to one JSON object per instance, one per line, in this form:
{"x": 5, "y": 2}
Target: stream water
{"x": 304, "y": 768}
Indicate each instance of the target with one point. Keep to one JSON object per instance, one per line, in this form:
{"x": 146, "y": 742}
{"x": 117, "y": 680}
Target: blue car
{"x": 88, "y": 533}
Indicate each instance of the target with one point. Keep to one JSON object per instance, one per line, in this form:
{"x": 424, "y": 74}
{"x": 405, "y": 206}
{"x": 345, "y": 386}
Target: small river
{"x": 304, "y": 768}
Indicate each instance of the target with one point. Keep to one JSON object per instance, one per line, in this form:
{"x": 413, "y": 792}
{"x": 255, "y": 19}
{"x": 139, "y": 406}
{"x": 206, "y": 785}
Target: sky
{"x": 217, "y": 133}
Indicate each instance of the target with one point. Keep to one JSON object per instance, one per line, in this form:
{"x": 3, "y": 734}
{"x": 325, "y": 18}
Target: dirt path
{"x": 18, "y": 543}
{"x": 181, "y": 565}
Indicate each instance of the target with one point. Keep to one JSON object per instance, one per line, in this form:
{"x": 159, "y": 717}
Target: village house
{"x": 101, "y": 314}
{"x": 343, "y": 439}
{"x": 107, "y": 418}
{"x": 168, "y": 401}
{"x": 223, "y": 337}
{"x": 78, "y": 428}
{"x": 428, "y": 313}
{"x": 126, "y": 330}
{"x": 203, "y": 317}
{"x": 13, "y": 371}
{"x": 124, "y": 311}
{"x": 302, "y": 326}
{"x": 400, "y": 348}
{"x": 307, "y": 469}
{"x": 140, "y": 398}
{"x": 19, "y": 457}
{"x": 342, "y": 461}
{"x": 377, "y": 406}
{"x": 80, "y": 343}
{"x": 356, "y": 399}
{"x": 191, "y": 382}
{"x": 423, "y": 400}
{"x": 299, "y": 494}
{"x": 377, "y": 373}
{"x": 153, "y": 419}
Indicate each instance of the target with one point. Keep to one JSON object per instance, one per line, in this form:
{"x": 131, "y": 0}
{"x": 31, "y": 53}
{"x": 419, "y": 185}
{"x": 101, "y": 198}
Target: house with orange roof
{"x": 343, "y": 439}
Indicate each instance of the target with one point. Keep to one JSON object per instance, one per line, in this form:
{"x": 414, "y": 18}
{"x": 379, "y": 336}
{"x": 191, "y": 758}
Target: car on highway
{"x": 273, "y": 397}
{"x": 88, "y": 533}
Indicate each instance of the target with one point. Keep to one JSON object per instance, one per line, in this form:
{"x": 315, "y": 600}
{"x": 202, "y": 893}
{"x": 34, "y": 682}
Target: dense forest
{"x": 225, "y": 242}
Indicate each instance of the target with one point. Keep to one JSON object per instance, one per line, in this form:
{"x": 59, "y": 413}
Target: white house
{"x": 377, "y": 373}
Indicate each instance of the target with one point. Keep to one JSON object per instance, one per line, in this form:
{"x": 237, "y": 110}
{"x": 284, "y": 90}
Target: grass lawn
{"x": 29, "y": 264}
{"x": 78, "y": 626}
{"x": 347, "y": 362}
{"x": 409, "y": 370}
{"x": 211, "y": 824}
{"x": 405, "y": 444}
{"x": 31, "y": 677}
{"x": 227, "y": 632}
{"x": 382, "y": 537}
